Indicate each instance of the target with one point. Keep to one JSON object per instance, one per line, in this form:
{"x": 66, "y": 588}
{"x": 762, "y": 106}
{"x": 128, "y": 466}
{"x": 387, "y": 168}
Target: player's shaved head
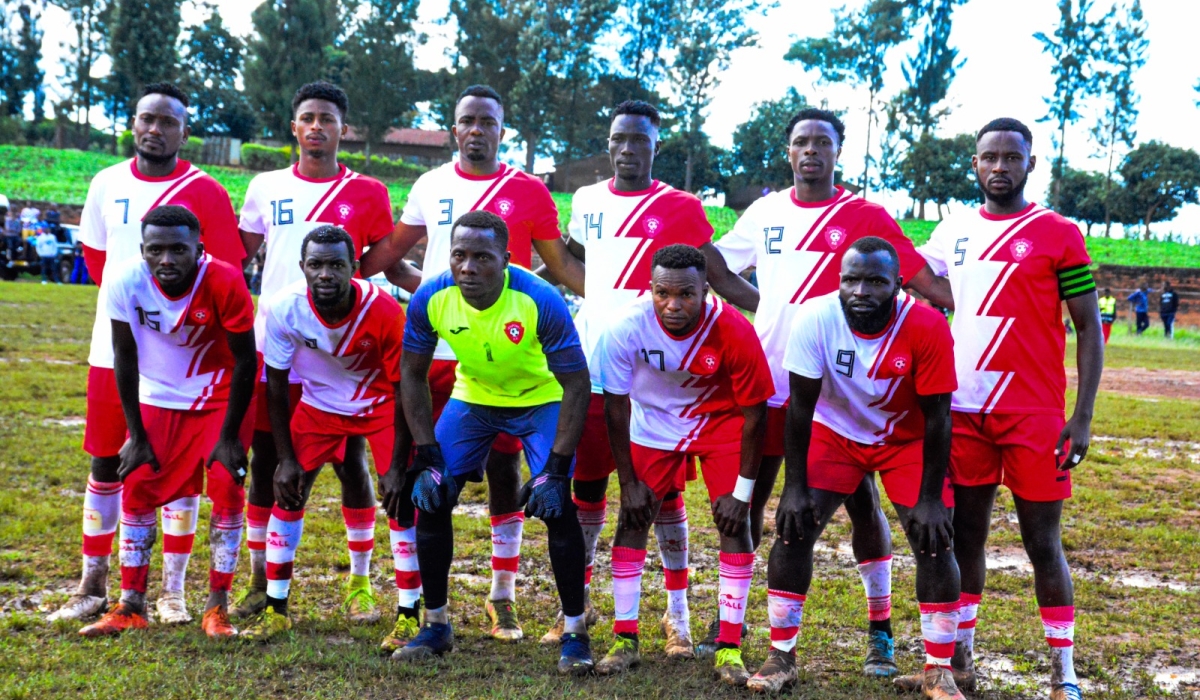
{"x": 483, "y": 221}
{"x": 328, "y": 235}
{"x": 874, "y": 244}
{"x": 868, "y": 284}
{"x": 170, "y": 216}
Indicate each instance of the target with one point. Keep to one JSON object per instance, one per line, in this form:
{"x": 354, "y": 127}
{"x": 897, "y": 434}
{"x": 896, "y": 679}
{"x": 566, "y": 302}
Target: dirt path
{"x": 1137, "y": 381}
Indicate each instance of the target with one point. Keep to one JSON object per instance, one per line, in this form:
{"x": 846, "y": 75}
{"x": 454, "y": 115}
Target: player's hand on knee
{"x": 637, "y": 505}
{"x": 930, "y": 528}
{"x": 546, "y": 495}
{"x": 796, "y": 514}
{"x": 135, "y": 453}
{"x": 1076, "y": 437}
{"x": 433, "y": 489}
{"x": 392, "y": 486}
{"x": 289, "y": 484}
{"x": 730, "y": 515}
{"x": 232, "y": 456}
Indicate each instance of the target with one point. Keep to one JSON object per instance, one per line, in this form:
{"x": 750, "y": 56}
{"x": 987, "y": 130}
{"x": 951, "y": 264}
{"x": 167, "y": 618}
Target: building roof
{"x": 407, "y": 137}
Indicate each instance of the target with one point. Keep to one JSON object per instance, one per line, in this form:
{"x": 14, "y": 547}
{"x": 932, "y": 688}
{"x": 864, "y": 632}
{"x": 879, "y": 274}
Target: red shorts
{"x": 319, "y": 437}
{"x": 593, "y": 458}
{"x": 665, "y": 471}
{"x": 182, "y": 442}
{"x": 104, "y": 431}
{"x": 839, "y": 465}
{"x": 262, "y": 417}
{"x": 1014, "y": 449}
{"x": 773, "y": 441}
{"x": 441, "y": 384}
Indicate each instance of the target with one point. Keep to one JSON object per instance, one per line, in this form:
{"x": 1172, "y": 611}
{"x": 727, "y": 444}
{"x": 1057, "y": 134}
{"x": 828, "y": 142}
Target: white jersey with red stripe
{"x": 182, "y": 350}
{"x": 1004, "y": 274}
{"x": 119, "y": 197}
{"x": 686, "y": 391}
{"x": 621, "y": 232}
{"x": 870, "y": 384}
{"x": 442, "y": 195}
{"x": 284, "y": 206}
{"x": 349, "y": 369}
{"x": 797, "y": 249}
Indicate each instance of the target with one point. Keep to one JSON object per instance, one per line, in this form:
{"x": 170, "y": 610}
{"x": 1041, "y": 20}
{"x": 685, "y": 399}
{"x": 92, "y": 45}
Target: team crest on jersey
{"x": 344, "y": 211}
{"x": 1020, "y": 249}
{"x": 365, "y": 344}
{"x": 199, "y": 315}
{"x": 514, "y": 331}
{"x": 653, "y": 225}
{"x": 504, "y": 207}
{"x": 706, "y": 363}
{"x": 834, "y": 236}
{"x": 900, "y": 364}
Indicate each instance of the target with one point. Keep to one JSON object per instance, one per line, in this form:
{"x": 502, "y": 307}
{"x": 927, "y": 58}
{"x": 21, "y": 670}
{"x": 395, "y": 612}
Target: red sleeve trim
{"x": 94, "y": 259}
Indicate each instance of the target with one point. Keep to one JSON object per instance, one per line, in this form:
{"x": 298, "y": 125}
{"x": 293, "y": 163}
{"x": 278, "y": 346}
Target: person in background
{"x": 12, "y": 230}
{"x": 79, "y": 273}
{"x": 1168, "y": 304}
{"x": 47, "y": 249}
{"x": 1108, "y": 312}
{"x": 1140, "y": 300}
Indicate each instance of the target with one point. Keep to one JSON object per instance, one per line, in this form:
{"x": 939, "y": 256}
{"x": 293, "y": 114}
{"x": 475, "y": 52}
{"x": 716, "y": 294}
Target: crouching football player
{"x": 684, "y": 378}
{"x": 871, "y": 376}
{"x": 183, "y": 342}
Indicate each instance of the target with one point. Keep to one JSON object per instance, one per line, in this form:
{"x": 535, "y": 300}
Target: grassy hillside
{"x": 62, "y": 176}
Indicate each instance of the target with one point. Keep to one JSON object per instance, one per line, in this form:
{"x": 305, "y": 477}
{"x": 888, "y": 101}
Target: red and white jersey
{"x": 622, "y": 231}
{"x": 1007, "y": 324}
{"x": 183, "y": 353}
{"x": 797, "y": 249}
{"x": 284, "y": 206}
{"x": 870, "y": 384}
{"x": 442, "y": 195}
{"x": 686, "y": 392}
{"x": 349, "y": 369}
{"x": 119, "y": 197}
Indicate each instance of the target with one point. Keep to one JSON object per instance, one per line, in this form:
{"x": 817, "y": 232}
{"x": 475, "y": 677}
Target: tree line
{"x": 562, "y": 64}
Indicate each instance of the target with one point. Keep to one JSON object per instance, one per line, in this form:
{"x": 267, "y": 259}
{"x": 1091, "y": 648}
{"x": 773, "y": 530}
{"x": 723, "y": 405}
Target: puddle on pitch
{"x": 1171, "y": 678}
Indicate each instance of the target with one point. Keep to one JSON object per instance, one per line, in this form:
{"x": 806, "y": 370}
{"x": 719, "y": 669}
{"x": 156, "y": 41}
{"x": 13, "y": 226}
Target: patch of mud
{"x": 1129, "y": 448}
{"x": 1009, "y": 560}
{"x": 1172, "y": 679}
{"x": 1145, "y": 579}
{"x": 1138, "y": 381}
{"x": 68, "y": 422}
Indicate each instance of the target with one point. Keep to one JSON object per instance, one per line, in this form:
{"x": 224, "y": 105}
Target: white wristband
{"x": 744, "y": 490}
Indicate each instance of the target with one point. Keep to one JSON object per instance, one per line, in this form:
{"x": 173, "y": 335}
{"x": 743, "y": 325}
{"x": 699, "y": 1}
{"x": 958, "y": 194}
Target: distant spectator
{"x": 11, "y": 232}
{"x": 1140, "y": 301}
{"x": 79, "y": 273}
{"x": 47, "y": 249}
{"x": 1168, "y": 304}
{"x": 1108, "y": 312}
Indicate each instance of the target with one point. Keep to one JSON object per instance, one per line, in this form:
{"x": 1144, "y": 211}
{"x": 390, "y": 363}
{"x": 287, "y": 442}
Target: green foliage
{"x": 144, "y": 38}
{"x": 90, "y": 19}
{"x": 1081, "y": 196}
{"x": 262, "y": 158}
{"x": 759, "y": 145}
{"x": 1160, "y": 178}
{"x": 702, "y": 163}
{"x": 212, "y": 63}
{"x": 189, "y": 151}
{"x": 939, "y": 170}
{"x": 27, "y": 76}
{"x": 930, "y": 70}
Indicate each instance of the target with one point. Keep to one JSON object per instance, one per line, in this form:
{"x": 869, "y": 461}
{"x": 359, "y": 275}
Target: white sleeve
{"x": 279, "y": 347}
{"x": 412, "y": 214}
{"x": 934, "y": 251}
{"x": 254, "y": 217}
{"x": 575, "y": 226}
{"x": 739, "y": 247}
{"x": 91, "y": 221}
{"x": 803, "y": 355}
{"x": 118, "y": 296}
{"x": 616, "y": 367}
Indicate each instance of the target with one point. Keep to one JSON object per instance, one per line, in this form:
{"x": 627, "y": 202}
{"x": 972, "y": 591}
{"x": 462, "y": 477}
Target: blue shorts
{"x": 466, "y": 431}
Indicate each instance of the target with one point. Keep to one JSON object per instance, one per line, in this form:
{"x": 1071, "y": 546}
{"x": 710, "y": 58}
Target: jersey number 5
{"x": 962, "y": 252}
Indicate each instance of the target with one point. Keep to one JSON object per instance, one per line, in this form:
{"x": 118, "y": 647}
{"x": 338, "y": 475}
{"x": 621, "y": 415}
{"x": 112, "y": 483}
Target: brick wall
{"x": 1123, "y": 280}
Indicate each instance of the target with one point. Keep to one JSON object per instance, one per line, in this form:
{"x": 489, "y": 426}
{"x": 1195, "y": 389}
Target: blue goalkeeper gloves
{"x": 547, "y": 495}
{"x": 433, "y": 489}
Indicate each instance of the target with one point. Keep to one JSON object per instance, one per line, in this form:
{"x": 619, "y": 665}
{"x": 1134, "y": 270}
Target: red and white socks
{"x": 257, "y": 518}
{"x": 101, "y": 515}
{"x": 224, "y": 540}
{"x": 736, "y": 571}
{"x": 785, "y": 611}
{"x": 285, "y": 529}
{"x": 939, "y": 628}
{"x": 628, "y": 564}
{"x": 671, "y": 531}
{"x": 507, "y": 532}
{"x": 404, "y": 558}
{"x": 360, "y": 539}
{"x": 591, "y": 518}
{"x": 179, "y": 535}
{"x": 138, "y": 532}
{"x": 1059, "y": 625}
{"x": 876, "y": 577}
{"x": 968, "y": 611}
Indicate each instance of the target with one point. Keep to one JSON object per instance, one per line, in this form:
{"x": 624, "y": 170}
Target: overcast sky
{"x": 1006, "y": 74}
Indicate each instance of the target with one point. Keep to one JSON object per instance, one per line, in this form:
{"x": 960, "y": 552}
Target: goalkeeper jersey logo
{"x": 514, "y": 331}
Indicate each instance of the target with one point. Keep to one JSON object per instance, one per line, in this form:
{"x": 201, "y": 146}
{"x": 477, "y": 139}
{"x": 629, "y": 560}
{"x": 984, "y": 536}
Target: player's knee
{"x": 104, "y": 469}
{"x": 593, "y": 491}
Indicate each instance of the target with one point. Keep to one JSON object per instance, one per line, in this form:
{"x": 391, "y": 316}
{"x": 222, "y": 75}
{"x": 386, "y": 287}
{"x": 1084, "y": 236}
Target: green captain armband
{"x": 1075, "y": 281}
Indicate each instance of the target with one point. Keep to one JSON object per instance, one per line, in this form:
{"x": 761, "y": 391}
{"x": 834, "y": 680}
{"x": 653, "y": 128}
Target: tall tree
{"x": 90, "y": 18}
{"x": 856, "y": 52}
{"x": 931, "y": 69}
{"x": 8, "y": 53}
{"x": 380, "y": 77}
{"x": 143, "y": 43}
{"x": 759, "y": 154}
{"x": 1074, "y": 48}
{"x": 287, "y": 50}
{"x": 1124, "y": 52}
{"x": 642, "y": 38}
{"x": 29, "y": 53}
{"x": 704, "y": 34}
{"x": 1160, "y": 178}
{"x": 1083, "y": 196}
{"x": 212, "y": 63}
{"x": 939, "y": 170}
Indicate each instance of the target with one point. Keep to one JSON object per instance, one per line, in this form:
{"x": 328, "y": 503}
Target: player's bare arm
{"x": 796, "y": 506}
{"x": 289, "y": 477}
{"x": 387, "y": 255}
{"x": 638, "y": 504}
{"x": 392, "y": 484}
{"x": 251, "y": 242}
{"x": 930, "y": 526}
{"x": 415, "y": 397}
{"x": 730, "y": 513}
{"x": 229, "y": 450}
{"x": 565, "y": 268}
{"x": 731, "y": 286}
{"x": 577, "y": 392}
{"x": 136, "y": 451}
{"x": 1089, "y": 357}
{"x": 935, "y": 289}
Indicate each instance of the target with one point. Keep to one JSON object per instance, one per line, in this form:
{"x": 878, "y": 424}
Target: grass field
{"x": 1132, "y": 534}
{"x": 50, "y": 175}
